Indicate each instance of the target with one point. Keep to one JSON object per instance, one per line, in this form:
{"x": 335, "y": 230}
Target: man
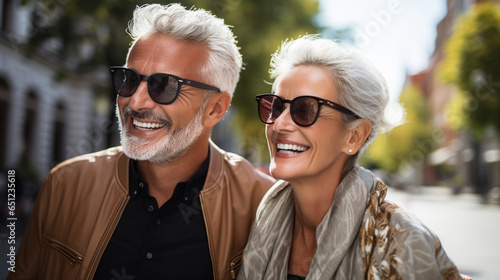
{"x": 169, "y": 204}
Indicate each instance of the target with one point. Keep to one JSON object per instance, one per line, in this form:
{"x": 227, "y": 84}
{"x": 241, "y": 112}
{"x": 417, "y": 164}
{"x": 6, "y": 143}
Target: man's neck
{"x": 162, "y": 179}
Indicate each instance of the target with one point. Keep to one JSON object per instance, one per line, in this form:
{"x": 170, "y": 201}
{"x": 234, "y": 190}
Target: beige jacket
{"x": 82, "y": 200}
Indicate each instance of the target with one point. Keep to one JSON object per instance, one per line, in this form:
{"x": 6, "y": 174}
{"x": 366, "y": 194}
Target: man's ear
{"x": 357, "y": 137}
{"x": 216, "y": 109}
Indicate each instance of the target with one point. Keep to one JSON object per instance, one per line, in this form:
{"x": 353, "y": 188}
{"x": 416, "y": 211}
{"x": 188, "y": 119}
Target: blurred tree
{"x": 406, "y": 145}
{"x": 260, "y": 27}
{"x": 84, "y": 35}
{"x": 472, "y": 65}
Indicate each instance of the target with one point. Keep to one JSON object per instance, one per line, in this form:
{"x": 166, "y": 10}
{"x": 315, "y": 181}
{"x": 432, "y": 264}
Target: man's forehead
{"x": 162, "y": 53}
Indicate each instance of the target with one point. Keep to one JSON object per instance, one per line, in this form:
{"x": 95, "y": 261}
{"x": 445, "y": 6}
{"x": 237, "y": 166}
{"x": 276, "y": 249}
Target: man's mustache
{"x": 146, "y": 115}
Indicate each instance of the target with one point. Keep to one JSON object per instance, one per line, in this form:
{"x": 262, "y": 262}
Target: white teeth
{"x": 290, "y": 149}
{"x": 147, "y": 125}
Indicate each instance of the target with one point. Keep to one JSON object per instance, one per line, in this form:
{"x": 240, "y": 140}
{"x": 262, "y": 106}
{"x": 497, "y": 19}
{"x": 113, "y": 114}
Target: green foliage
{"x": 407, "y": 144}
{"x": 454, "y": 115}
{"x": 260, "y": 27}
{"x": 472, "y": 66}
{"x": 99, "y": 26}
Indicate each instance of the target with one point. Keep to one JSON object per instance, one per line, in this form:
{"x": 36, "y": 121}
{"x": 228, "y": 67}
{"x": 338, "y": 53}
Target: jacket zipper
{"x": 72, "y": 255}
{"x": 102, "y": 245}
{"x": 235, "y": 264}
{"x": 208, "y": 236}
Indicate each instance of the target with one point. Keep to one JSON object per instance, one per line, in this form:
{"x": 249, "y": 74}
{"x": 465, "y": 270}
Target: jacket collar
{"x": 214, "y": 173}
{"x": 122, "y": 170}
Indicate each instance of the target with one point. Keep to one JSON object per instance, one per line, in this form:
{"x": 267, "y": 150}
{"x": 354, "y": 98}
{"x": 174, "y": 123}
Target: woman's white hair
{"x": 196, "y": 25}
{"x": 361, "y": 87}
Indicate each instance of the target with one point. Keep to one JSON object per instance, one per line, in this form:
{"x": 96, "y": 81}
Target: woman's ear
{"x": 216, "y": 109}
{"x": 358, "y": 136}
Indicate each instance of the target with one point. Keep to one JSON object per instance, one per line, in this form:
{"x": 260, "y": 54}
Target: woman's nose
{"x": 284, "y": 121}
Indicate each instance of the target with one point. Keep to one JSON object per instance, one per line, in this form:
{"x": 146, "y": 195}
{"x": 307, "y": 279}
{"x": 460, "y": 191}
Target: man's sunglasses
{"x": 304, "y": 109}
{"x": 163, "y": 88}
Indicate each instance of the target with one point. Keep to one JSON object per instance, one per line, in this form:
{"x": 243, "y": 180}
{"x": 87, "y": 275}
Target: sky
{"x": 397, "y": 36}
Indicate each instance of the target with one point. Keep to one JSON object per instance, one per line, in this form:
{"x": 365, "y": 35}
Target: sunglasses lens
{"x": 125, "y": 81}
{"x": 305, "y": 110}
{"x": 163, "y": 88}
{"x": 270, "y": 108}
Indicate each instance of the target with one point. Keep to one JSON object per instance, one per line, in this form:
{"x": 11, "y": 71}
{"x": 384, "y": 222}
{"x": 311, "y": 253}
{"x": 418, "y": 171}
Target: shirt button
{"x": 186, "y": 198}
{"x": 134, "y": 195}
{"x": 158, "y": 222}
{"x": 149, "y": 255}
{"x": 141, "y": 185}
{"x": 151, "y": 208}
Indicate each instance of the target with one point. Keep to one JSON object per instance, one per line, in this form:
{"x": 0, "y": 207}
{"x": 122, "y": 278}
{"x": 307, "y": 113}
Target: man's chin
{"x": 138, "y": 149}
{"x": 154, "y": 155}
{"x": 165, "y": 150}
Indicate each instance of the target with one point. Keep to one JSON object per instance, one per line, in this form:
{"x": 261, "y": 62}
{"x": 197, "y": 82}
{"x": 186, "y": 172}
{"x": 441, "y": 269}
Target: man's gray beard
{"x": 174, "y": 145}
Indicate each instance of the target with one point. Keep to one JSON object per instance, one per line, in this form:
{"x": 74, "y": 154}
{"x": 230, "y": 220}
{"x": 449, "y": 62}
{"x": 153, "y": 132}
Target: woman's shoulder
{"x": 405, "y": 221}
{"x": 385, "y": 213}
{"x": 402, "y": 223}
{"x": 395, "y": 236}
{"x": 389, "y": 226}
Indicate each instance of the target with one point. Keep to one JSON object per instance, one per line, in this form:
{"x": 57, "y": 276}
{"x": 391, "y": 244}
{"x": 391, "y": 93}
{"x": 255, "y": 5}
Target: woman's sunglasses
{"x": 304, "y": 109}
{"x": 163, "y": 88}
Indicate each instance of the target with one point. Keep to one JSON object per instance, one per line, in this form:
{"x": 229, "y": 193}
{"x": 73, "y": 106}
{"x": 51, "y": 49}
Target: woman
{"x": 327, "y": 218}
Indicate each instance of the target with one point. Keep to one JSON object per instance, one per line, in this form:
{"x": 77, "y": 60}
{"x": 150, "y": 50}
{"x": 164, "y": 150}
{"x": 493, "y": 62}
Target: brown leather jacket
{"x": 82, "y": 199}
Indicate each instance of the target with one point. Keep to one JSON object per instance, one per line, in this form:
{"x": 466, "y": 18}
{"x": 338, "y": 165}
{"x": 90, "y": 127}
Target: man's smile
{"x": 147, "y": 125}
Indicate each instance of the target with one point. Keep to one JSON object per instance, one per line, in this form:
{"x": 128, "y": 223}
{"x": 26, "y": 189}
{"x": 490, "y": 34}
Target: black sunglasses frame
{"x": 320, "y": 101}
{"x": 180, "y": 82}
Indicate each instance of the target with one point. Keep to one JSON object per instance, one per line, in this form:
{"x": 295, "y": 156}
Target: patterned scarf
{"x": 362, "y": 236}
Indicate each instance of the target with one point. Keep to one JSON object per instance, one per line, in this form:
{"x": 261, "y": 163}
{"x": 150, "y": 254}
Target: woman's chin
{"x": 281, "y": 172}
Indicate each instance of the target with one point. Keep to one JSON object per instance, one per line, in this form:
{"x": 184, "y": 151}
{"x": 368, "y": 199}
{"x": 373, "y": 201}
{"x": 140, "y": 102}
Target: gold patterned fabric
{"x": 383, "y": 239}
{"x": 363, "y": 236}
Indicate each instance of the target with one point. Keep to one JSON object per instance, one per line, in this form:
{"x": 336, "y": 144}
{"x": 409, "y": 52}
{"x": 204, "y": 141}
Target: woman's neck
{"x": 312, "y": 200}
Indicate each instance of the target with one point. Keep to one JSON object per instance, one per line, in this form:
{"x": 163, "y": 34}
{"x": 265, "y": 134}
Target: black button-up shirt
{"x": 167, "y": 242}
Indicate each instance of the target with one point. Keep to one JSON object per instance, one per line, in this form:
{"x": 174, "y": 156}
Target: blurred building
{"x": 460, "y": 160}
{"x": 43, "y": 121}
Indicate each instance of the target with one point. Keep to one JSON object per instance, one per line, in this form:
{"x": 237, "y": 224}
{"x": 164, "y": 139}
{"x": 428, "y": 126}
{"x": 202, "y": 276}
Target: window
{"x": 58, "y": 140}
{"x": 4, "y": 114}
{"x": 29, "y": 126}
{"x": 7, "y": 16}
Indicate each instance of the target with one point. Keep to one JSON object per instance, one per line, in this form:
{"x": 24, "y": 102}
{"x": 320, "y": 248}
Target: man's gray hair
{"x": 361, "y": 87}
{"x": 196, "y": 25}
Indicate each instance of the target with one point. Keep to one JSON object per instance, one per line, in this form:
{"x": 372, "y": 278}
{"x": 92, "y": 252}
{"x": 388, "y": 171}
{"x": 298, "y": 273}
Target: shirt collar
{"x": 189, "y": 189}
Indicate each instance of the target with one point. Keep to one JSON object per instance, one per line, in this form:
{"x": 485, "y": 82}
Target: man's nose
{"x": 141, "y": 99}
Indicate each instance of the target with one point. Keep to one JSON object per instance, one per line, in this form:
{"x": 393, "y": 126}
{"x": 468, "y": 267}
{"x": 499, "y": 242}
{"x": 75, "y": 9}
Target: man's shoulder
{"x": 96, "y": 160}
{"x": 240, "y": 169}
{"x": 87, "y": 172}
{"x": 242, "y": 166}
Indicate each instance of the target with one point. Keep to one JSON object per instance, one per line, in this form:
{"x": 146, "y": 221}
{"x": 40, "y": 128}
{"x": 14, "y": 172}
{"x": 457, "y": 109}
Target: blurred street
{"x": 468, "y": 230}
